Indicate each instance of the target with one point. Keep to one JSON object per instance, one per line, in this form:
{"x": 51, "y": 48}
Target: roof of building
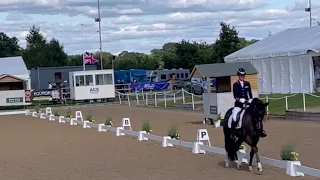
{"x": 66, "y": 67}
{"x": 290, "y": 42}
{"x": 13, "y": 66}
{"x": 11, "y": 76}
{"x": 224, "y": 69}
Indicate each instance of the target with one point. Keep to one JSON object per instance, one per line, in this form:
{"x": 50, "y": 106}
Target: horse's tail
{"x": 228, "y": 142}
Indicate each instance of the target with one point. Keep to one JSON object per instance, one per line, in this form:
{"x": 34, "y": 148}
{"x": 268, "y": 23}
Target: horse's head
{"x": 258, "y": 108}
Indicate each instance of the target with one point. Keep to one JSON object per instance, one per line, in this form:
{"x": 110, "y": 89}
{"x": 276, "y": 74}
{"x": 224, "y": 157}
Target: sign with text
{"x": 41, "y": 95}
{"x": 15, "y": 100}
{"x": 94, "y": 90}
{"x": 150, "y": 86}
{"x": 213, "y": 109}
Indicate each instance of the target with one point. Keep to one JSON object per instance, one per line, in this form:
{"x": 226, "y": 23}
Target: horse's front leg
{"x": 238, "y": 161}
{"x": 226, "y": 160}
{"x": 259, "y": 165}
{"x": 251, "y": 158}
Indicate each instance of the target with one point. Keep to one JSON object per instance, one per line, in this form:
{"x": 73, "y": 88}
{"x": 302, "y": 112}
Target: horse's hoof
{"x": 260, "y": 167}
{"x": 239, "y": 167}
{"x": 226, "y": 165}
{"x": 250, "y": 169}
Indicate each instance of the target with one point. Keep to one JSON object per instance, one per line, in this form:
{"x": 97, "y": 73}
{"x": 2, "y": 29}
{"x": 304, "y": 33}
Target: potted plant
{"x": 173, "y": 133}
{"x": 56, "y": 113}
{"x": 288, "y": 153}
{"x": 242, "y": 148}
{"x": 68, "y": 114}
{"x": 146, "y": 127}
{"x": 108, "y": 122}
{"x": 90, "y": 118}
{"x": 37, "y": 108}
{"x": 217, "y": 121}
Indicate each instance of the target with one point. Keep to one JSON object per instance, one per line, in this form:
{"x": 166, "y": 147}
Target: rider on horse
{"x": 242, "y": 93}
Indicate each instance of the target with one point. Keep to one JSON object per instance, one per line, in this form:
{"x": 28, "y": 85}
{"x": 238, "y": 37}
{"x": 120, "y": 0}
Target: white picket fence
{"x": 293, "y": 168}
{"x": 159, "y": 99}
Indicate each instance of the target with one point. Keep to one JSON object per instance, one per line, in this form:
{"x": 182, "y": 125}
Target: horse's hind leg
{"x": 250, "y": 160}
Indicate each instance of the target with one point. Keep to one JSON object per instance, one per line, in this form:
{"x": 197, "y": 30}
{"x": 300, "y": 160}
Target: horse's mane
{"x": 256, "y": 102}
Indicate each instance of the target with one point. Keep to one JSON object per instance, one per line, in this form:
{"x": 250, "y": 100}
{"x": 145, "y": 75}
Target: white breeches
{"x": 235, "y": 111}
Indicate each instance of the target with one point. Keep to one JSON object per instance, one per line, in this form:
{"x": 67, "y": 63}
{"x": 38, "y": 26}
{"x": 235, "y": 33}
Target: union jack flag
{"x": 89, "y": 59}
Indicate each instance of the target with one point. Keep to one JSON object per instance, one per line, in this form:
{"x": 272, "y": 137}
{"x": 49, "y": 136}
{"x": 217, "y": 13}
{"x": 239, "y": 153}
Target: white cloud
{"x": 142, "y": 25}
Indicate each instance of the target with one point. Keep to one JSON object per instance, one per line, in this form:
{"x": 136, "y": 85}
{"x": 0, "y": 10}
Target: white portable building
{"x": 288, "y": 62}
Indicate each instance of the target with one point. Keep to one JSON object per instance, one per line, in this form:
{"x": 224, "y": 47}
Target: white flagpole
{"x": 84, "y": 65}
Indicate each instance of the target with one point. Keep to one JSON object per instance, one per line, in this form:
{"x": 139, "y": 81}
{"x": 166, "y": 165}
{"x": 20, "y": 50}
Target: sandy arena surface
{"x": 34, "y": 149}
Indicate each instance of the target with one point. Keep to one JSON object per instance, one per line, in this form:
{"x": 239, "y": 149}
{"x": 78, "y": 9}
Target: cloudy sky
{"x": 142, "y": 25}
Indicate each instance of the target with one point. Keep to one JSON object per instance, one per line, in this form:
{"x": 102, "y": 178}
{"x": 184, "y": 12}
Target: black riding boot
{"x": 232, "y": 131}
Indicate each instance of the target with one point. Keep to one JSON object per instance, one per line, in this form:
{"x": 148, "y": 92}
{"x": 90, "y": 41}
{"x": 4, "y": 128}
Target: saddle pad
{"x": 240, "y": 121}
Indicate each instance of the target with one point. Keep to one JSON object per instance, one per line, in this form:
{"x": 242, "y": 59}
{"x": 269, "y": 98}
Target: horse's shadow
{"x": 200, "y": 123}
{"x": 233, "y": 165}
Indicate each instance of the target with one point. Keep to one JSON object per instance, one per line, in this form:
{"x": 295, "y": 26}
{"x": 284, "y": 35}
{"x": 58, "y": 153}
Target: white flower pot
{"x": 291, "y": 171}
{"x": 217, "y": 123}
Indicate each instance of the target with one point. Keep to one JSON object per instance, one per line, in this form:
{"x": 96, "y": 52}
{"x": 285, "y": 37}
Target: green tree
{"x": 227, "y": 42}
{"x": 40, "y": 53}
{"x": 244, "y": 42}
{"x": 9, "y": 46}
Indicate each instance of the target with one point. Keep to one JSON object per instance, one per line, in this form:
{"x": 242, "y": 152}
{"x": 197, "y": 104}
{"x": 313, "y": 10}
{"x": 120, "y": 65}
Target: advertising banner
{"x": 150, "y": 86}
{"x": 41, "y": 95}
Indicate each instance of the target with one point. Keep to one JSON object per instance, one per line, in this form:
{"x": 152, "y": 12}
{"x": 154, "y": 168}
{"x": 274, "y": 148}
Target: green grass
{"x": 278, "y": 106}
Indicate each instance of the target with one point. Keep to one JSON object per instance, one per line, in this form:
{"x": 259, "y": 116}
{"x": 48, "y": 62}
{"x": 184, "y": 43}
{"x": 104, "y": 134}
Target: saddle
{"x": 235, "y": 123}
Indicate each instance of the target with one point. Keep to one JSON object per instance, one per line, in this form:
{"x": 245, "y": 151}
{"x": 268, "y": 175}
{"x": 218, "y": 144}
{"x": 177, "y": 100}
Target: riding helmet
{"x": 241, "y": 72}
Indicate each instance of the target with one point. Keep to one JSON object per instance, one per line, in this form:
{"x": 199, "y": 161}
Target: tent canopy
{"x": 290, "y": 42}
{"x": 13, "y": 66}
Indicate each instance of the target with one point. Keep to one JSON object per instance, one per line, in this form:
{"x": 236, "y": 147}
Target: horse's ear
{"x": 266, "y": 104}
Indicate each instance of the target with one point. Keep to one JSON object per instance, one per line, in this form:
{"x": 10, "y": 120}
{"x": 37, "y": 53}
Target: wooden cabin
{"x": 9, "y": 82}
{"x": 224, "y": 74}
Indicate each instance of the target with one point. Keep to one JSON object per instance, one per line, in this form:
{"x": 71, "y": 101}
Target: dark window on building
{"x": 163, "y": 76}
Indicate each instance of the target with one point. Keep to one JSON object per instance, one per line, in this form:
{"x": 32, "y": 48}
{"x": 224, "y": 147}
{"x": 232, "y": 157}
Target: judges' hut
{"x": 219, "y": 95}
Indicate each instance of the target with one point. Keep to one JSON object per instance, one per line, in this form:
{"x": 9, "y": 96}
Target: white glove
{"x": 250, "y": 100}
{"x": 242, "y": 100}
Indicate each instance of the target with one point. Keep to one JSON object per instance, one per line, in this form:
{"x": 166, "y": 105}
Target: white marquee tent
{"x": 285, "y": 61}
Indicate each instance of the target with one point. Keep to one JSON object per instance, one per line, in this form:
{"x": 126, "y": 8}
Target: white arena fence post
{"x": 128, "y": 99}
{"x": 304, "y": 101}
{"x": 165, "y": 99}
{"x": 183, "y": 99}
{"x": 287, "y": 108}
{"x": 142, "y": 94}
{"x": 174, "y": 98}
{"x": 155, "y": 100}
{"x": 146, "y": 99}
{"x": 119, "y": 96}
{"x": 137, "y": 98}
{"x": 192, "y": 99}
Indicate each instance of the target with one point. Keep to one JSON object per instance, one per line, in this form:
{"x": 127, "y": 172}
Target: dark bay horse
{"x": 248, "y": 133}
